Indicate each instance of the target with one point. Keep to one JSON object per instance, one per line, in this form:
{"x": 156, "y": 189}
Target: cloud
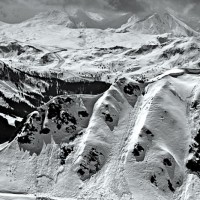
{"x": 135, "y": 6}
{"x": 14, "y": 11}
{"x": 100, "y": 4}
{"x": 18, "y": 10}
{"x": 188, "y": 8}
{"x": 180, "y": 6}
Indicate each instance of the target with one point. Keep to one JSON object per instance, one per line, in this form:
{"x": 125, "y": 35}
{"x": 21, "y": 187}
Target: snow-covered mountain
{"x": 54, "y": 17}
{"x": 2, "y": 23}
{"x": 136, "y": 135}
{"x": 78, "y": 18}
{"x": 159, "y": 23}
{"x": 88, "y": 112}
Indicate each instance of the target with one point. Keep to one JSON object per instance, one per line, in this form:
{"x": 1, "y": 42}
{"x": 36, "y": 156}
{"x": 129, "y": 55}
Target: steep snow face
{"x": 134, "y": 136}
{"x": 159, "y": 23}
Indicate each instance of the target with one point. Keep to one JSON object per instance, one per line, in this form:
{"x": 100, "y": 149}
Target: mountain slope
{"x": 87, "y": 113}
{"x": 160, "y": 23}
{"x": 91, "y": 70}
{"x": 134, "y": 136}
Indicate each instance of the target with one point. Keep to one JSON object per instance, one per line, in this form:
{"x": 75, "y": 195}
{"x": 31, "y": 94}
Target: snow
{"x": 11, "y": 120}
{"x": 132, "y": 141}
{"x": 159, "y": 23}
{"x": 162, "y": 111}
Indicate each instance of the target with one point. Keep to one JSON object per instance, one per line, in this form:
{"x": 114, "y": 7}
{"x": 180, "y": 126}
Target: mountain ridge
{"x": 159, "y": 23}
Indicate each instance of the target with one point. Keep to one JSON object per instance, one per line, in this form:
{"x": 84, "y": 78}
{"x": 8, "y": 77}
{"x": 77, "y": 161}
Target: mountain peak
{"x": 160, "y": 23}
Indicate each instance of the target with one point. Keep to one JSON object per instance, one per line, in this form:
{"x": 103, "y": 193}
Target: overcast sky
{"x": 14, "y": 11}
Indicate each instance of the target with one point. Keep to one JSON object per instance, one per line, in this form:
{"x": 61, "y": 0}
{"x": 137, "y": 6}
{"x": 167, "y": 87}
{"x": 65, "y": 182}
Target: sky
{"x": 15, "y": 11}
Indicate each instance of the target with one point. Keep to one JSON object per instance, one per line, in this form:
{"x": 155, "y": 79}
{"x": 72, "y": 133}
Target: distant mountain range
{"x": 156, "y": 23}
{"x": 159, "y": 23}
